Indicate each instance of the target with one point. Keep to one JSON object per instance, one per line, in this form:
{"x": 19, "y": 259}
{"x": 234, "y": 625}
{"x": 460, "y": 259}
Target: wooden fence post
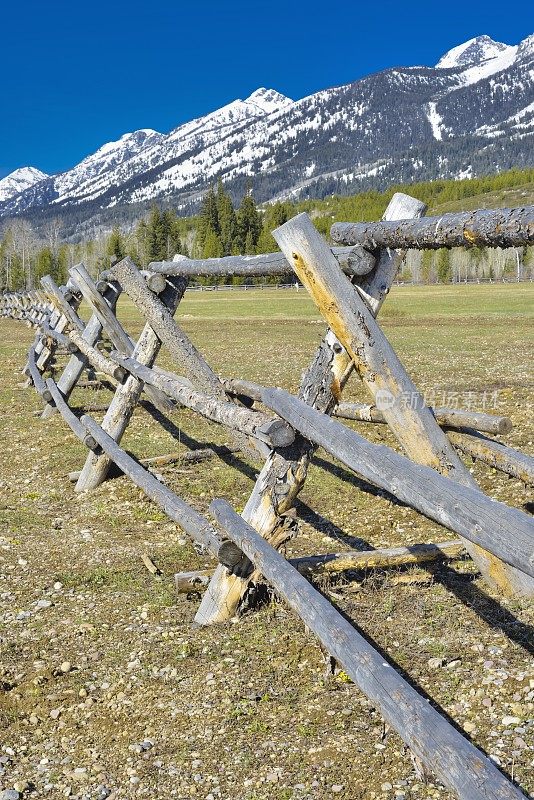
{"x": 78, "y": 362}
{"x": 284, "y": 473}
{"x": 383, "y": 374}
{"x": 127, "y": 394}
{"x": 177, "y": 342}
{"x": 120, "y": 339}
{"x": 440, "y": 747}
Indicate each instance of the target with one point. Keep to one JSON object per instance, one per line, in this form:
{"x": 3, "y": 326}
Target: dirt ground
{"x": 106, "y": 689}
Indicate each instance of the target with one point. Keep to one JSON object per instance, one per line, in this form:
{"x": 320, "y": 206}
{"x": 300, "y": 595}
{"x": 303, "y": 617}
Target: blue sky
{"x": 75, "y": 75}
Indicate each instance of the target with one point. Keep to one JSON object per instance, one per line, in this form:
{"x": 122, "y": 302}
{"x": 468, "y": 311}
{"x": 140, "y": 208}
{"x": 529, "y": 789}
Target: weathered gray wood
{"x": 350, "y": 560}
{"x": 35, "y": 376}
{"x": 127, "y": 394}
{"x": 249, "y": 266}
{"x": 163, "y": 323}
{"x": 175, "y": 340}
{"x": 55, "y": 337}
{"x": 154, "y": 280}
{"x": 63, "y": 308}
{"x": 273, "y": 432}
{"x": 503, "y": 531}
{"x": 57, "y": 322}
{"x": 360, "y": 261}
{"x": 446, "y": 417}
{"x": 383, "y": 374}
{"x": 45, "y": 351}
{"x": 442, "y": 749}
{"x": 77, "y": 329}
{"x": 119, "y": 337}
{"x": 504, "y": 227}
{"x": 78, "y": 362}
{"x": 71, "y": 419}
{"x": 193, "y": 523}
{"x": 497, "y": 455}
{"x": 380, "y": 558}
{"x": 96, "y": 358}
{"x": 284, "y": 474}
{"x": 238, "y": 387}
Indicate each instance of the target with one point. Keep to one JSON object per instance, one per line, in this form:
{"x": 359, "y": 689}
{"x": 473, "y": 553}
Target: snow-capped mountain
{"x": 473, "y": 113}
{"x": 19, "y": 180}
{"x": 474, "y": 51}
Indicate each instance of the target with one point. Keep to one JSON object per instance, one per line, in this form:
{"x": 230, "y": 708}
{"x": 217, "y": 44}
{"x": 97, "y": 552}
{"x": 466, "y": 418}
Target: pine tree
{"x": 275, "y": 215}
{"x": 139, "y": 251}
{"x": 115, "y": 247}
{"x": 248, "y": 224}
{"x": 208, "y": 219}
{"x": 227, "y": 220}
{"x": 171, "y": 234}
{"x": 212, "y": 247}
{"x": 44, "y": 263}
{"x": 156, "y": 236}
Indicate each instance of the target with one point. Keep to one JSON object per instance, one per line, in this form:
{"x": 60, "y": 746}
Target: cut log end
{"x": 277, "y": 432}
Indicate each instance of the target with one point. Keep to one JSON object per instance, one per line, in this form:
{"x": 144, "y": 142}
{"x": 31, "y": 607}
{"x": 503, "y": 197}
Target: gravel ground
{"x": 106, "y": 689}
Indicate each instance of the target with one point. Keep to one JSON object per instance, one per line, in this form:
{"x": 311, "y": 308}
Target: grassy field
{"x": 503, "y": 198}
{"x": 247, "y": 710}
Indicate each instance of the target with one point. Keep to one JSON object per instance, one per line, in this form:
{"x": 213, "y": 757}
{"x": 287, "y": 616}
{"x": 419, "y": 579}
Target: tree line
{"x": 224, "y": 227}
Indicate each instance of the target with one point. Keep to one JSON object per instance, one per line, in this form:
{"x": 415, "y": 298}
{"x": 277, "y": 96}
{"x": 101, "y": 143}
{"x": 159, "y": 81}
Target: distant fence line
{"x": 247, "y": 287}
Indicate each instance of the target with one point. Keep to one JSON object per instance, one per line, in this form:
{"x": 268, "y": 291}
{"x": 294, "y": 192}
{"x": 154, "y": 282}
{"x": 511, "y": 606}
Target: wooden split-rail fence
{"x": 348, "y": 285}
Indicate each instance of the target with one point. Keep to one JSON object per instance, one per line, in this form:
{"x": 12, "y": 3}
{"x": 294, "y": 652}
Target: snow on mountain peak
{"x": 474, "y": 51}
{"x": 269, "y": 100}
{"x": 526, "y": 47}
{"x": 19, "y": 180}
{"x": 132, "y": 141}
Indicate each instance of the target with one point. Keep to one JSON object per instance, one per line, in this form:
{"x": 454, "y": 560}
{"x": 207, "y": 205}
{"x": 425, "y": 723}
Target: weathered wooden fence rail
{"x": 348, "y": 285}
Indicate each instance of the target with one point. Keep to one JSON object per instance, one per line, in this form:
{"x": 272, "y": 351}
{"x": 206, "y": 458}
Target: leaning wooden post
{"x": 57, "y": 322}
{"x": 120, "y": 338}
{"x": 127, "y": 394}
{"x": 271, "y": 430}
{"x": 284, "y": 472}
{"x": 383, "y": 374}
{"x": 78, "y": 362}
{"x": 440, "y": 747}
{"x": 506, "y": 532}
{"x": 176, "y": 341}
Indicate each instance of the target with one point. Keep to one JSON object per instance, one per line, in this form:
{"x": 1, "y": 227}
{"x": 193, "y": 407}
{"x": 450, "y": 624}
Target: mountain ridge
{"x": 472, "y": 112}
